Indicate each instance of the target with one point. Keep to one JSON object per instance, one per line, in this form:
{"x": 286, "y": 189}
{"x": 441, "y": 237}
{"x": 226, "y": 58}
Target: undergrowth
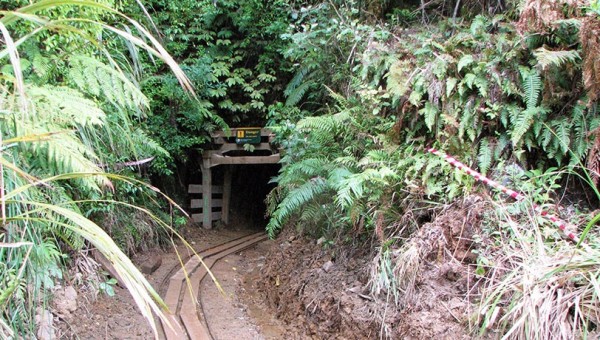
{"x": 500, "y": 95}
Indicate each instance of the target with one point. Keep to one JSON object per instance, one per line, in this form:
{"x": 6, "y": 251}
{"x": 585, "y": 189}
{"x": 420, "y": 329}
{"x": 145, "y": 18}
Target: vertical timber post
{"x": 206, "y": 193}
{"x": 226, "y": 195}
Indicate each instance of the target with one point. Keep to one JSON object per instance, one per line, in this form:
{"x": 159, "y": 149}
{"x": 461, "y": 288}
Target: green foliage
{"x": 232, "y": 53}
{"x": 69, "y": 108}
{"x": 470, "y": 90}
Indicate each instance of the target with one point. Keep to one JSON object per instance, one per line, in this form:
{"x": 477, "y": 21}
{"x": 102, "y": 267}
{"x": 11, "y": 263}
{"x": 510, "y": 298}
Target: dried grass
{"x": 540, "y": 15}
{"x": 396, "y": 271}
{"x": 538, "y": 289}
{"x": 589, "y": 35}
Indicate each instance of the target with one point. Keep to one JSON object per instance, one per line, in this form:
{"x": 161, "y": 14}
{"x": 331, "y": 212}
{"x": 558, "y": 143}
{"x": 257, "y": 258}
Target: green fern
{"x": 547, "y": 58}
{"x": 522, "y": 123}
{"x": 293, "y": 201}
{"x": 532, "y": 86}
{"x": 299, "y": 84}
{"x": 105, "y": 83}
{"x": 430, "y": 114}
{"x": 485, "y": 156}
{"x": 64, "y": 106}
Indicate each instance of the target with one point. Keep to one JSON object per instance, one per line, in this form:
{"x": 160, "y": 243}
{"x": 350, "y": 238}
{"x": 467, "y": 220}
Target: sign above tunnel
{"x": 248, "y": 136}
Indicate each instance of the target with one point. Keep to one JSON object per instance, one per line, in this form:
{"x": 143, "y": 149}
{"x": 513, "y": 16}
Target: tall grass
{"x": 538, "y": 286}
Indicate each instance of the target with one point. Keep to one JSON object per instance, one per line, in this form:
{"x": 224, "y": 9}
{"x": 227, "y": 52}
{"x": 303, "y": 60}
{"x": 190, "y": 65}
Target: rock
{"x": 456, "y": 303}
{"x": 65, "y": 301}
{"x": 327, "y": 266}
{"x": 451, "y": 271}
{"x": 151, "y": 264}
{"x": 320, "y": 241}
{"x": 44, "y": 324}
{"x": 356, "y": 289}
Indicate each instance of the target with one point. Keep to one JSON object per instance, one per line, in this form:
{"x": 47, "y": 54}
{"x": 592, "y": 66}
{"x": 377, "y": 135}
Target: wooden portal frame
{"x": 218, "y": 156}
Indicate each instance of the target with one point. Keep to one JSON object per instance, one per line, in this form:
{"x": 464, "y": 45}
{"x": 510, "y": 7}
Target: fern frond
{"x": 299, "y": 84}
{"x": 562, "y": 130}
{"x": 292, "y": 202}
{"x": 430, "y": 114}
{"x": 501, "y": 144}
{"x": 485, "y": 156}
{"x": 295, "y": 96}
{"x": 521, "y": 125}
{"x": 104, "y": 82}
{"x": 532, "y": 86}
{"x": 321, "y": 124}
{"x": 547, "y": 58}
{"x": 299, "y": 171}
{"x": 64, "y": 106}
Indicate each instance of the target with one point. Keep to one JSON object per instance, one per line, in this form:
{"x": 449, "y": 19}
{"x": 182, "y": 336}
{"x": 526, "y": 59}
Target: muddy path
{"x": 240, "y": 313}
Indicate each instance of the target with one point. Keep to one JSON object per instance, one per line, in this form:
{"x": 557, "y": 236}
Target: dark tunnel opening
{"x": 249, "y": 189}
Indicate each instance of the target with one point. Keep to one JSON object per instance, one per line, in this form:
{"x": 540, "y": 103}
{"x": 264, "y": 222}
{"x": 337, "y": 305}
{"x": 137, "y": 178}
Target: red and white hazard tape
{"x": 562, "y": 225}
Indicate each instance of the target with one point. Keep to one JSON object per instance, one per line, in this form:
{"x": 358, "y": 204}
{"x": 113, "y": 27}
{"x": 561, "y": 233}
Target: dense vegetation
{"x": 356, "y": 91}
{"x": 71, "y": 109}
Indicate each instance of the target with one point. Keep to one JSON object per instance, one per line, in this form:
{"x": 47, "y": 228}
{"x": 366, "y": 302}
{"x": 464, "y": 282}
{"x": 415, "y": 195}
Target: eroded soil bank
{"x": 326, "y": 292}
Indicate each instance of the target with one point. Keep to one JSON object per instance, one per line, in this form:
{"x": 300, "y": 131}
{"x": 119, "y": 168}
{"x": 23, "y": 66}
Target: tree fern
{"x": 64, "y": 107}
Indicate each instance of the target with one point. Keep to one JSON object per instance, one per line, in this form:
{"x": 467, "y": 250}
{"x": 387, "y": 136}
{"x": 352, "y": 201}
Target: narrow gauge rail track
{"x": 187, "y": 318}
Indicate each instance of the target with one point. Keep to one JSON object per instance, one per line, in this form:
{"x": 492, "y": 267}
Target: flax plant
{"x": 49, "y": 135}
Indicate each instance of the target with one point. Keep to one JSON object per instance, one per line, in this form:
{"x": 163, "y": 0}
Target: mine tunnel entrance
{"x": 235, "y": 172}
{"x": 249, "y": 189}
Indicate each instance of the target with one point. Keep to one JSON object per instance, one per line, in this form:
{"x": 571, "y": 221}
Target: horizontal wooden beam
{"x": 232, "y": 132}
{"x": 197, "y": 189}
{"x": 199, "y": 203}
{"x": 235, "y": 147}
{"x": 215, "y": 215}
{"x": 217, "y": 159}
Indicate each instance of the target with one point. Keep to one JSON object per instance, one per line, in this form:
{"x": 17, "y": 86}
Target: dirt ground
{"x": 297, "y": 288}
{"x": 326, "y": 293}
{"x": 241, "y": 314}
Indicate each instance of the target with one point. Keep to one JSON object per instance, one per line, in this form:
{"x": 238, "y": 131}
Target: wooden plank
{"x": 226, "y": 147}
{"x": 174, "y": 329}
{"x": 193, "y": 262}
{"x": 199, "y": 203}
{"x": 189, "y": 306}
{"x": 216, "y": 159}
{"x": 226, "y": 195}
{"x": 197, "y": 189}
{"x": 215, "y": 215}
{"x": 189, "y": 313}
{"x": 206, "y": 194}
